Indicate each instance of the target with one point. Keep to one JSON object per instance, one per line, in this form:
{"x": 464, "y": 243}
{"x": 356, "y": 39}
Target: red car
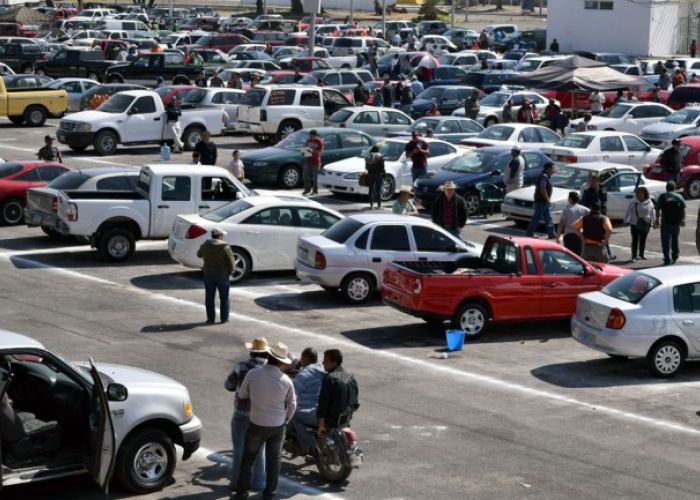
{"x": 643, "y": 93}
{"x": 16, "y": 178}
{"x": 279, "y": 77}
{"x": 168, "y": 92}
{"x": 689, "y": 179}
{"x": 515, "y": 279}
{"x": 222, "y": 41}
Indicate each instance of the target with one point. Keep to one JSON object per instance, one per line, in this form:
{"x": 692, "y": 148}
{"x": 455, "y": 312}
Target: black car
{"x": 21, "y": 57}
{"x": 447, "y": 98}
{"x": 147, "y": 68}
{"x": 489, "y": 81}
{"x": 478, "y": 171}
{"x": 431, "y": 28}
{"x": 74, "y": 62}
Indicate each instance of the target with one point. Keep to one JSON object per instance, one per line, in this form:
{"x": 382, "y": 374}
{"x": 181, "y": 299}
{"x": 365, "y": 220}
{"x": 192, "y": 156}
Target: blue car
{"x": 447, "y": 98}
{"x": 448, "y": 128}
{"x": 477, "y": 169}
{"x": 447, "y": 75}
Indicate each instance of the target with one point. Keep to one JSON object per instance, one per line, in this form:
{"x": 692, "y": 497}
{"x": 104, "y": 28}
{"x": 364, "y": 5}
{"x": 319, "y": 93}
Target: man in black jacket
{"x": 339, "y": 394}
{"x": 173, "y": 114}
{"x": 206, "y": 149}
{"x": 450, "y": 210}
{"x": 671, "y": 161}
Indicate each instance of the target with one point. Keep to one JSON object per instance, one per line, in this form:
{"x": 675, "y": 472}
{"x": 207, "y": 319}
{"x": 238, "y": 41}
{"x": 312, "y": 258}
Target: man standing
{"x": 201, "y": 80}
{"x": 207, "y": 149}
{"x": 416, "y": 86}
{"x": 693, "y": 48}
{"x": 543, "y": 192}
{"x": 307, "y": 386}
{"x": 596, "y": 229}
{"x": 49, "y": 152}
{"x": 670, "y": 161}
{"x": 417, "y": 150}
{"x": 272, "y": 404}
{"x": 361, "y": 94}
{"x": 406, "y": 98}
{"x": 314, "y": 145}
{"x": 218, "y": 266}
{"x": 514, "y": 175}
{"x": 554, "y": 46}
{"x": 449, "y": 210}
{"x": 572, "y": 213}
{"x": 596, "y": 102}
{"x": 664, "y": 79}
{"x": 388, "y": 93}
{"x": 339, "y": 394}
{"x": 671, "y": 209}
{"x": 173, "y": 114}
{"x": 241, "y": 414}
{"x": 472, "y": 106}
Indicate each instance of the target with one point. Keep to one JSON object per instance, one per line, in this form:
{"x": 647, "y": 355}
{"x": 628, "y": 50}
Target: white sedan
{"x": 652, "y": 314}
{"x": 615, "y": 147}
{"x": 344, "y": 176}
{"x": 620, "y": 182}
{"x": 370, "y": 120}
{"x": 491, "y": 106}
{"x": 74, "y": 87}
{"x": 629, "y": 117}
{"x": 509, "y": 134}
{"x": 262, "y": 232}
{"x": 435, "y": 42}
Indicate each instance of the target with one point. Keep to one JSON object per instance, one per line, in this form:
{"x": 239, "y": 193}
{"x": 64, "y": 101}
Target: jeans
{"x": 573, "y": 242}
{"x": 298, "y": 424}
{"x": 418, "y": 172}
{"x": 639, "y": 240}
{"x": 670, "y": 176}
{"x": 175, "y": 133}
{"x": 375, "y": 189}
{"x": 310, "y": 175}
{"x": 541, "y": 211}
{"x": 212, "y": 283}
{"x": 272, "y": 438}
{"x": 669, "y": 238}
{"x": 239, "y": 429}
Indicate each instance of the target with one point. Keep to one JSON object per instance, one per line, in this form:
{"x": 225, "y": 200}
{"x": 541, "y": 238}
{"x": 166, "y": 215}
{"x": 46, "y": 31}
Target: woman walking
{"x": 374, "y": 164}
{"x": 640, "y": 217}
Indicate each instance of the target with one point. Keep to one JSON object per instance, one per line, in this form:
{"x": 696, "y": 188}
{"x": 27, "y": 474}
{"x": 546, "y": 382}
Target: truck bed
{"x": 103, "y": 195}
{"x": 463, "y": 265}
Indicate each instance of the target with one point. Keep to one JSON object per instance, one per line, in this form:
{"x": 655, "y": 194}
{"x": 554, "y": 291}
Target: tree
{"x": 499, "y": 4}
{"x": 428, "y": 10}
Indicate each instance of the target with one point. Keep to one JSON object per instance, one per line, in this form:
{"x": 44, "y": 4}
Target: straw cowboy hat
{"x": 448, "y": 185}
{"x": 280, "y": 352}
{"x": 406, "y": 189}
{"x": 258, "y": 345}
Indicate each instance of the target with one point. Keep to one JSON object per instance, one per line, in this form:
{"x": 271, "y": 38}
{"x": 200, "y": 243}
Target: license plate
{"x": 36, "y": 219}
{"x": 586, "y": 338}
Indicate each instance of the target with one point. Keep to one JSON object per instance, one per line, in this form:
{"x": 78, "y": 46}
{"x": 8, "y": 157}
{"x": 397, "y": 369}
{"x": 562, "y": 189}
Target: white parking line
{"x": 79, "y": 158}
{"x": 425, "y": 365}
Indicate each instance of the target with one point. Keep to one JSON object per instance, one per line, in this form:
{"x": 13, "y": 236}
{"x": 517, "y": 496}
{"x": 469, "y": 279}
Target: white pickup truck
{"x": 114, "y": 220}
{"x": 135, "y": 117}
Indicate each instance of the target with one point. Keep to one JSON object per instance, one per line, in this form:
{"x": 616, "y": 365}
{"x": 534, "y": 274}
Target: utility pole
{"x": 352, "y": 12}
{"x": 454, "y": 6}
{"x": 172, "y": 16}
{"x": 466, "y": 11}
{"x": 384, "y": 19}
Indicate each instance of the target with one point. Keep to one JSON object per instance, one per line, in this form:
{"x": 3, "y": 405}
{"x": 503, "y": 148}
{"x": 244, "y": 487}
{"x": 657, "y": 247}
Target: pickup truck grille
{"x": 523, "y": 203}
{"x": 67, "y": 125}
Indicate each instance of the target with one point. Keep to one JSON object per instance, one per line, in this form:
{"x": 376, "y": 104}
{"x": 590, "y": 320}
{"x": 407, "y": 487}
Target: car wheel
{"x": 51, "y": 232}
{"x": 290, "y": 177}
{"x": 27, "y": 69}
{"x": 92, "y": 75}
{"x": 287, "y": 127}
{"x": 11, "y": 211}
{"x": 692, "y": 188}
{"x": 491, "y": 120}
{"x": 473, "y": 319}
{"x": 193, "y": 134}
{"x": 242, "y": 266}
{"x": 35, "y": 116}
{"x": 78, "y": 149}
{"x": 146, "y": 461}
{"x": 115, "y": 79}
{"x": 666, "y": 358}
{"x": 388, "y": 188}
{"x": 473, "y": 201}
{"x": 358, "y": 288}
{"x": 117, "y": 244}
{"x": 39, "y": 71}
{"x": 105, "y": 143}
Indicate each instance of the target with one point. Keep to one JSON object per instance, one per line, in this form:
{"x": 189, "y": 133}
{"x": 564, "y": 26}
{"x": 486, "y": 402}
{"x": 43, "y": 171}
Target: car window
{"x": 530, "y": 261}
{"x": 29, "y": 176}
{"x": 449, "y": 127}
{"x": 351, "y": 140}
{"x": 143, "y": 105}
{"x": 502, "y": 257}
{"x": 611, "y": 143}
{"x": 469, "y": 126}
{"x": 621, "y": 181}
{"x": 117, "y": 183}
{"x": 529, "y": 134}
{"x": 331, "y": 142}
{"x": 429, "y": 240}
{"x": 361, "y": 241}
{"x": 174, "y": 59}
{"x": 439, "y": 149}
{"x": 176, "y": 188}
{"x": 218, "y": 189}
{"x": 686, "y": 298}
{"x": 332, "y": 79}
{"x": 367, "y": 117}
{"x": 395, "y": 118}
{"x": 310, "y": 98}
{"x": 281, "y": 97}
{"x": 272, "y": 217}
{"x": 547, "y": 135}
{"x": 631, "y": 287}
{"x": 656, "y": 111}
{"x": 387, "y": 237}
{"x": 556, "y": 262}
{"x": 532, "y": 161}
{"x": 315, "y": 218}
{"x": 640, "y": 112}
{"x": 72, "y": 87}
{"x": 633, "y": 143}
{"x": 348, "y": 78}
{"x": 47, "y": 174}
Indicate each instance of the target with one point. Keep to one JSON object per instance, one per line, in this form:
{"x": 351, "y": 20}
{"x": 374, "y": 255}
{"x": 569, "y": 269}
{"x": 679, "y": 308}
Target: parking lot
{"x": 524, "y": 413}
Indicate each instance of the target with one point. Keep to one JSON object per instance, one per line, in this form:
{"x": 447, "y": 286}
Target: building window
{"x": 606, "y": 6}
{"x": 598, "y": 5}
{"x": 590, "y": 4}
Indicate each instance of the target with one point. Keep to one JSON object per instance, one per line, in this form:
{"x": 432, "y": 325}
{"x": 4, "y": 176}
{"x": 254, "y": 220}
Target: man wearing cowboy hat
{"x": 403, "y": 205}
{"x": 450, "y": 210}
{"x": 241, "y": 415}
{"x": 272, "y": 405}
{"x": 218, "y": 266}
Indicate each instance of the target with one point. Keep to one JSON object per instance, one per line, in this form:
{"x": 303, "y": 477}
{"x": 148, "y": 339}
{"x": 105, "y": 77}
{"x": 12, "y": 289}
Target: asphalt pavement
{"x": 525, "y": 413}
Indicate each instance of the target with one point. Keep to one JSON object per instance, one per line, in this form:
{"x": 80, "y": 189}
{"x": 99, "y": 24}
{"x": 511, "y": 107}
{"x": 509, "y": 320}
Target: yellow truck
{"x": 31, "y": 106}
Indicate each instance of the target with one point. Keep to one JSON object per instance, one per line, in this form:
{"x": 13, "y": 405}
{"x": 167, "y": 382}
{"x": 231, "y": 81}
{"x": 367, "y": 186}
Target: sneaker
{"x": 633, "y": 259}
{"x": 224, "y": 321}
{"x": 305, "y": 193}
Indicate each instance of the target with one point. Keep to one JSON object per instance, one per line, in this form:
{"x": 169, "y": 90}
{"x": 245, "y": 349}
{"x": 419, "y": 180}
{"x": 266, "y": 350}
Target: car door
{"x": 270, "y": 235}
{"x": 393, "y": 121}
{"x": 369, "y": 122}
{"x": 533, "y": 168}
{"x": 450, "y": 131}
{"x": 612, "y": 150}
{"x": 686, "y": 312}
{"x": 563, "y": 279}
{"x": 173, "y": 197}
{"x": 448, "y": 102}
{"x": 351, "y": 144}
{"x": 432, "y": 244}
{"x": 49, "y": 173}
{"x": 388, "y": 243}
{"x": 215, "y": 192}
{"x": 143, "y": 122}
{"x": 620, "y": 189}
{"x": 638, "y": 152}
{"x": 75, "y": 92}
{"x": 103, "y": 450}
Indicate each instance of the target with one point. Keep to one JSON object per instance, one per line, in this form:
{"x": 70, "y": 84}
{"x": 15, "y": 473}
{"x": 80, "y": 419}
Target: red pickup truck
{"x": 515, "y": 279}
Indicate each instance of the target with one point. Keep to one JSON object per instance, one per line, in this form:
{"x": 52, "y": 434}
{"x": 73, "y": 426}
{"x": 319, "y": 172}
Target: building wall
{"x": 358, "y": 5}
{"x": 664, "y": 33}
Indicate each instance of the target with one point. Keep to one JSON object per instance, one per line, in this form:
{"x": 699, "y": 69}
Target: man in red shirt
{"x": 417, "y": 150}
{"x": 314, "y": 149}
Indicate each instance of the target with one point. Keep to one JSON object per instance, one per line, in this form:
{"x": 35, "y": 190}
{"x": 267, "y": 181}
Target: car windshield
{"x": 473, "y": 161}
{"x": 631, "y": 287}
{"x": 617, "y": 111}
{"x": 497, "y": 132}
{"x": 683, "y": 116}
{"x": 254, "y": 97}
{"x": 570, "y": 177}
{"x": 118, "y": 103}
{"x": 497, "y": 100}
{"x": 226, "y": 211}
{"x": 424, "y": 124}
{"x": 431, "y": 94}
{"x": 8, "y": 169}
{"x": 203, "y": 40}
{"x": 392, "y": 150}
{"x": 69, "y": 180}
{"x": 297, "y": 140}
{"x": 574, "y": 141}
{"x": 342, "y": 230}
{"x": 340, "y": 116}
{"x": 194, "y": 96}
{"x": 528, "y": 65}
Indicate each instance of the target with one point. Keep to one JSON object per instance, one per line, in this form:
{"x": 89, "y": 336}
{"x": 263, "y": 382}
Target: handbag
{"x": 363, "y": 180}
{"x": 642, "y": 225}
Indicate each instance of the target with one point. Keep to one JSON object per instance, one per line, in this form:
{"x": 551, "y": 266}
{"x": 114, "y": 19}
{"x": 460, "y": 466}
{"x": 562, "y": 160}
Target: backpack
{"x": 672, "y": 210}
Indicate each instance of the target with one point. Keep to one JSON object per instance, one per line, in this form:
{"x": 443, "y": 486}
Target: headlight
{"x": 508, "y": 200}
{"x": 260, "y": 164}
{"x": 187, "y": 408}
{"x": 354, "y": 175}
{"x": 83, "y": 127}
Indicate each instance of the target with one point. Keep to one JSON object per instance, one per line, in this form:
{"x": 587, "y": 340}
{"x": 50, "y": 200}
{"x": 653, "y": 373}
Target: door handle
{"x": 156, "y": 119}
{"x": 203, "y": 206}
{"x": 630, "y": 156}
{"x": 688, "y": 322}
{"x": 163, "y": 206}
{"x": 605, "y": 157}
{"x": 376, "y": 259}
{"x": 552, "y": 285}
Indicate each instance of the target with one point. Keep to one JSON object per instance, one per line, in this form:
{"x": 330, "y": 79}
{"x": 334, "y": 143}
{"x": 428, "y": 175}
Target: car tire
{"x": 666, "y": 358}
{"x": 34, "y": 116}
{"x": 51, "y": 233}
{"x": 473, "y": 319}
{"x": 117, "y": 244}
{"x": 692, "y": 187}
{"x": 358, "y": 288}
{"x": 242, "y": 265}
{"x": 388, "y": 188}
{"x": 287, "y": 127}
{"x": 490, "y": 120}
{"x": 146, "y": 461}
{"x": 290, "y": 177}
{"x": 191, "y": 136}
{"x": 473, "y": 201}
{"x": 27, "y": 69}
{"x": 115, "y": 79}
{"x": 106, "y": 142}
{"x": 78, "y": 149}
{"x": 11, "y": 212}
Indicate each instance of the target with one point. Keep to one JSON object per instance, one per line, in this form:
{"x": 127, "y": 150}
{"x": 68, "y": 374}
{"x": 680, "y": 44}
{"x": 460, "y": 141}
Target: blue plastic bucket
{"x": 455, "y": 339}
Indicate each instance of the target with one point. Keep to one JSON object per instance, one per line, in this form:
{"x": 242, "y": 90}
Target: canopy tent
{"x": 575, "y": 73}
{"x": 24, "y": 15}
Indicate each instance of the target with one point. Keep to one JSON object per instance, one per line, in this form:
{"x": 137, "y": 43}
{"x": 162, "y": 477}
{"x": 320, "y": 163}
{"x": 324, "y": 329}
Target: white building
{"x": 358, "y": 5}
{"x": 634, "y": 27}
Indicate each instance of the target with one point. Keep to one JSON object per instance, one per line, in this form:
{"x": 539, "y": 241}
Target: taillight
{"x": 263, "y": 115}
{"x": 54, "y": 205}
{"x": 417, "y": 286}
{"x": 72, "y": 212}
{"x": 568, "y": 159}
{"x": 616, "y": 319}
{"x": 320, "y": 261}
{"x": 195, "y": 231}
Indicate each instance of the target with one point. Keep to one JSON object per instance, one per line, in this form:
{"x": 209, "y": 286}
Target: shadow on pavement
{"x": 39, "y": 242}
{"x": 307, "y": 301}
{"x": 125, "y": 150}
{"x": 181, "y": 280}
{"x": 174, "y": 327}
{"x": 91, "y": 258}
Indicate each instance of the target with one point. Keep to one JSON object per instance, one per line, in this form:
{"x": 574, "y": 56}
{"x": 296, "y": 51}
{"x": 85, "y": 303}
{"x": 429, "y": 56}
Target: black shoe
{"x": 641, "y": 256}
{"x": 315, "y": 191}
{"x": 224, "y": 321}
{"x": 305, "y": 192}
{"x": 667, "y": 262}
{"x": 240, "y": 496}
{"x": 209, "y": 322}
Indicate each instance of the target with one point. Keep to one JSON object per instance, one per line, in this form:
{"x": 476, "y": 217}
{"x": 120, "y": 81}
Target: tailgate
{"x": 41, "y": 201}
{"x": 306, "y": 252}
{"x": 248, "y": 113}
{"x": 180, "y": 227}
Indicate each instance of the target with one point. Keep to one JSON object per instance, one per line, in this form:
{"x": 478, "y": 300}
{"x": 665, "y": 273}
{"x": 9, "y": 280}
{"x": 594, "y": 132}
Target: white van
{"x": 93, "y": 14}
{"x": 353, "y": 45}
{"x": 131, "y": 26}
{"x": 509, "y": 30}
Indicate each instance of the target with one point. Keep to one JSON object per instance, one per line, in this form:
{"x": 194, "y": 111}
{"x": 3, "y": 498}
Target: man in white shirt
{"x": 513, "y": 177}
{"x": 596, "y": 101}
{"x": 272, "y": 405}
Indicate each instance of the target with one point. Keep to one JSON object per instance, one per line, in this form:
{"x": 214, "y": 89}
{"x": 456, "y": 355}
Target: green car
{"x": 282, "y": 163}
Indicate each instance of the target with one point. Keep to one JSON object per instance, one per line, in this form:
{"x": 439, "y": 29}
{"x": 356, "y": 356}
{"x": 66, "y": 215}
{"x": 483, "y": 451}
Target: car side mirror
{"x": 647, "y": 148}
{"x": 130, "y": 111}
{"x": 117, "y": 392}
{"x": 588, "y": 271}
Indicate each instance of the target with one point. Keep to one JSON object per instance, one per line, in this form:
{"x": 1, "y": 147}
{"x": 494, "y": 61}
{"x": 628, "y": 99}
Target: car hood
{"x": 665, "y": 128}
{"x": 462, "y": 179}
{"x": 91, "y": 116}
{"x": 138, "y": 379}
{"x": 528, "y": 194}
{"x": 273, "y": 153}
{"x": 349, "y": 165}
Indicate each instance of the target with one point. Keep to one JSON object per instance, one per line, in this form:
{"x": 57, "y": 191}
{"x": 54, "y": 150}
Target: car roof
{"x": 95, "y": 171}
{"x": 265, "y": 200}
{"x": 174, "y": 169}
{"x": 599, "y": 166}
{"x": 12, "y": 340}
{"x": 401, "y": 219}
{"x": 674, "y": 275}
